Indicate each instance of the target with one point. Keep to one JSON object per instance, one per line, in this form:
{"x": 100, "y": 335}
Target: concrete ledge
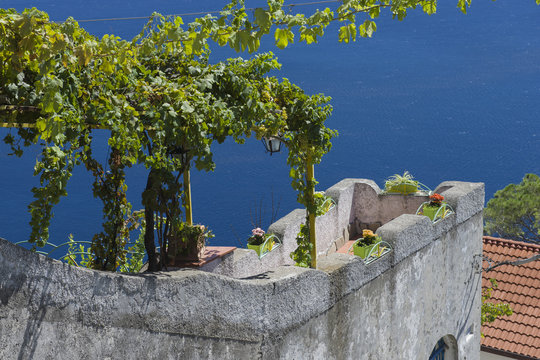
{"x": 467, "y": 199}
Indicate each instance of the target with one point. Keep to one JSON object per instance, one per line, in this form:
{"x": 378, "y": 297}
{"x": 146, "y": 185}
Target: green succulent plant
{"x": 404, "y": 184}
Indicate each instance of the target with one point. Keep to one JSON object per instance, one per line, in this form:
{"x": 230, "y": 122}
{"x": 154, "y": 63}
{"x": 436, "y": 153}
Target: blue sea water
{"x": 446, "y": 97}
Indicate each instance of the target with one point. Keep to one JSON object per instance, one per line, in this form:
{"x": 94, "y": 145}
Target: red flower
{"x": 436, "y": 198}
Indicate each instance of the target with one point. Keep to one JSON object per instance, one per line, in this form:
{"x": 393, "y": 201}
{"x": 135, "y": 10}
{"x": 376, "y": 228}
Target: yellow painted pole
{"x": 311, "y": 216}
{"x": 187, "y": 192}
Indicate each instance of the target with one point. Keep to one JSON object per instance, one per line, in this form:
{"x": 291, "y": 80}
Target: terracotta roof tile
{"x": 518, "y": 286}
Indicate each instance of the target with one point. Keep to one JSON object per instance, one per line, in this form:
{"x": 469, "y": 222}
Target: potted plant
{"x": 327, "y": 204}
{"x": 435, "y": 207}
{"x": 324, "y": 203}
{"x": 402, "y": 184}
{"x": 368, "y": 243}
{"x": 189, "y": 243}
{"x": 258, "y": 242}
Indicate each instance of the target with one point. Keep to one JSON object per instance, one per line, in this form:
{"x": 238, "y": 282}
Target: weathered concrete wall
{"x": 405, "y": 310}
{"x": 489, "y": 356}
{"x": 397, "y": 307}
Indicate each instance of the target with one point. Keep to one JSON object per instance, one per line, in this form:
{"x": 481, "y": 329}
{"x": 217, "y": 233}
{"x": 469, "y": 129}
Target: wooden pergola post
{"x": 311, "y": 216}
{"x": 187, "y": 194}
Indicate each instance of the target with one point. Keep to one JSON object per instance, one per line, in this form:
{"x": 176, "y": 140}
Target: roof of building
{"x": 518, "y": 286}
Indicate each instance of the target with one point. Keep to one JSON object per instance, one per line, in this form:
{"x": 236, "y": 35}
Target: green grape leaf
{"x": 347, "y": 33}
{"x": 283, "y": 37}
{"x": 263, "y": 18}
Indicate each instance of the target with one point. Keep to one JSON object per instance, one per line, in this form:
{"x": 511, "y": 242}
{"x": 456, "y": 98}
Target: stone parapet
{"x": 360, "y": 204}
{"x": 396, "y": 307}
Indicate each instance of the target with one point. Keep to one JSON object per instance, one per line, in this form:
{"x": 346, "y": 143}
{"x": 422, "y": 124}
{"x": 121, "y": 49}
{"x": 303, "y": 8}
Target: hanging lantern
{"x": 272, "y": 144}
{"x": 176, "y": 152}
{"x": 179, "y": 152}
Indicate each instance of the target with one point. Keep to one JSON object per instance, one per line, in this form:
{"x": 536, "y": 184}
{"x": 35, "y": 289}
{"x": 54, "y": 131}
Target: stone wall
{"x": 399, "y": 306}
{"x": 360, "y": 204}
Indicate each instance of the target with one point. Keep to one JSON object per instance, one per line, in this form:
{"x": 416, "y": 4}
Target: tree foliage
{"x": 514, "y": 212}
{"x": 490, "y": 310}
{"x": 163, "y": 104}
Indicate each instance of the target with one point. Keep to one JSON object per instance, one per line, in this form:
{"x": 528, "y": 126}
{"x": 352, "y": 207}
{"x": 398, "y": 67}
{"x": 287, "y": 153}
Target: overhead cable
{"x": 198, "y": 13}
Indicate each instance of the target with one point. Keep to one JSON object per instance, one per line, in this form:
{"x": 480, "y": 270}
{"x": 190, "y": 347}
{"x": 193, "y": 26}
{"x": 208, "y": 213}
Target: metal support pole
{"x": 187, "y": 192}
{"x": 311, "y": 216}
